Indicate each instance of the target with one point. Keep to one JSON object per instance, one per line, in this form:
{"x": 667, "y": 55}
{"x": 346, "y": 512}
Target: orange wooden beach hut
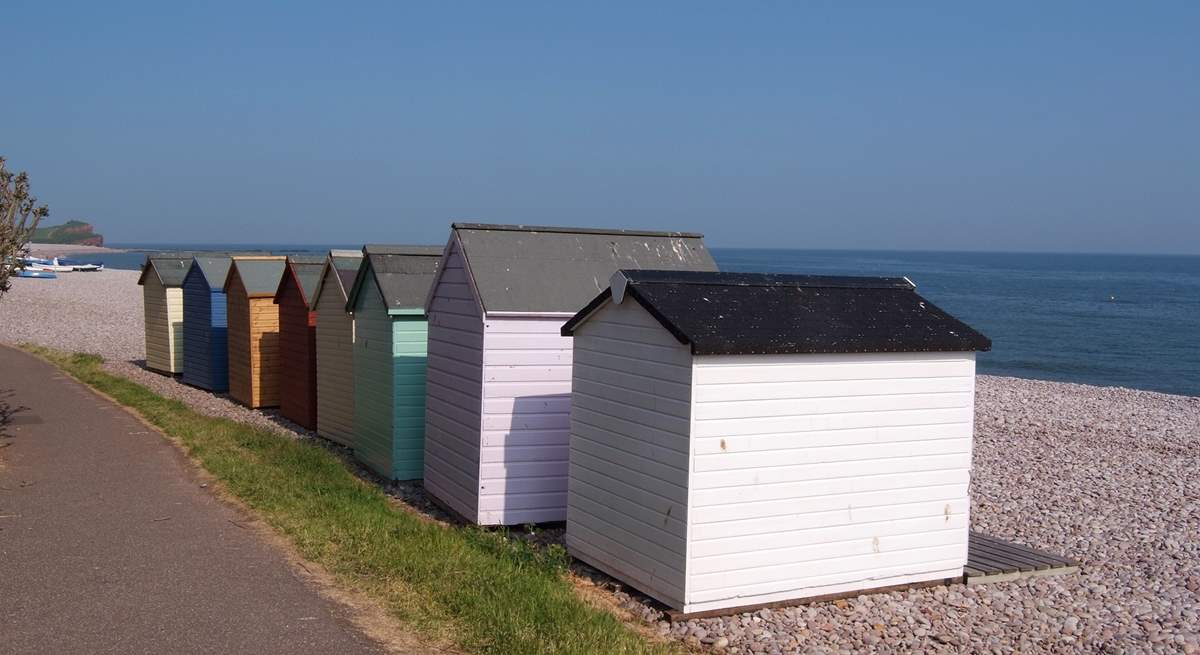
{"x": 253, "y": 319}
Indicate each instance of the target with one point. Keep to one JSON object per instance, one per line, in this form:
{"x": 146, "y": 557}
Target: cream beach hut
{"x": 499, "y": 379}
{"x": 742, "y": 439}
{"x": 162, "y": 298}
{"x": 335, "y": 347}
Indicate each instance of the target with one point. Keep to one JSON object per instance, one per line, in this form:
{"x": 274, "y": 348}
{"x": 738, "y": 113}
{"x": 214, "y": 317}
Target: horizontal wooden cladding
{"x": 335, "y": 364}
{"x": 759, "y": 461}
{"x": 766, "y": 443}
{"x": 848, "y": 540}
{"x": 520, "y": 399}
{"x": 829, "y": 470}
{"x": 163, "y": 309}
{"x": 837, "y": 421}
{"x": 857, "y": 560}
{"x": 832, "y": 577}
{"x": 659, "y": 554}
{"x": 454, "y": 379}
{"x": 767, "y": 391}
{"x": 941, "y": 502}
{"x": 617, "y": 563}
{"x": 297, "y": 359}
{"x": 799, "y": 406}
{"x": 822, "y": 493}
{"x": 254, "y": 356}
{"x": 630, "y": 420}
{"x": 373, "y": 382}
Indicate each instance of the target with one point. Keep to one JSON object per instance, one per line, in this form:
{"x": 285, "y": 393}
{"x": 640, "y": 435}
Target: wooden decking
{"x": 995, "y": 560}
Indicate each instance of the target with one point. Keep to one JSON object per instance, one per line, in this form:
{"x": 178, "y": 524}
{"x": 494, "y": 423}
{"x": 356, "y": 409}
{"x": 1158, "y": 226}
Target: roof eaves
{"x": 597, "y": 303}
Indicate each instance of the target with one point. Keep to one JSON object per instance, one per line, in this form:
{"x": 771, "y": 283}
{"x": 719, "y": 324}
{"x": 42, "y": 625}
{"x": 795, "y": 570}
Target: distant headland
{"x": 75, "y": 233}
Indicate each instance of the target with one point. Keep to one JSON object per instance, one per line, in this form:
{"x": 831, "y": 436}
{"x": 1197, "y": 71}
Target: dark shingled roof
{"x": 170, "y": 269}
{"x": 307, "y": 270}
{"x": 260, "y": 275}
{"x": 346, "y": 265}
{"x": 751, "y": 313}
{"x": 536, "y": 269}
{"x": 403, "y": 274}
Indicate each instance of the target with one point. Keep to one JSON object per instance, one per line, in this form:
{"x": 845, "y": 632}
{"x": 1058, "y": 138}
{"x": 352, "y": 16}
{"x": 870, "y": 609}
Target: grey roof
{"x": 170, "y": 270}
{"x": 307, "y": 269}
{"x": 346, "y": 267}
{"x": 403, "y": 274}
{"x": 260, "y": 275}
{"x": 538, "y": 269}
{"x": 215, "y": 269}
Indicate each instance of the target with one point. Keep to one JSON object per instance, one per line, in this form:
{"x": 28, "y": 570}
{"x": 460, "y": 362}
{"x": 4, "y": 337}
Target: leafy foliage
{"x": 20, "y": 214}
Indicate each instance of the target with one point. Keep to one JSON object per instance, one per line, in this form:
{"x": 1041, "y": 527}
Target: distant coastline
{"x": 61, "y": 249}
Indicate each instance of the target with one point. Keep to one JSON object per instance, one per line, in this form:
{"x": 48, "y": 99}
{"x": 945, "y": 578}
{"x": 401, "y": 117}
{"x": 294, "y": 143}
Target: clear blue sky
{"x": 1067, "y": 126}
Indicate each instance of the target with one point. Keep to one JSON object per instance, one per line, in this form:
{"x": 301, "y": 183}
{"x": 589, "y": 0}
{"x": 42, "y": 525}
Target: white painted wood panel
{"x": 526, "y": 398}
{"x": 814, "y": 473}
{"x": 454, "y": 389}
{"x": 629, "y": 450}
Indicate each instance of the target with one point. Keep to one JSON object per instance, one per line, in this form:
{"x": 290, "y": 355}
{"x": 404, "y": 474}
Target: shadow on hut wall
{"x": 176, "y": 328}
{"x": 268, "y": 370}
{"x": 526, "y": 441}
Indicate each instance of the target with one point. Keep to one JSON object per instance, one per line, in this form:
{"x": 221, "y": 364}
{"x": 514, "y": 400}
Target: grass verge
{"x": 483, "y": 591}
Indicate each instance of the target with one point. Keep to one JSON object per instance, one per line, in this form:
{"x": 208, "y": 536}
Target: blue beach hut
{"x": 205, "y": 339}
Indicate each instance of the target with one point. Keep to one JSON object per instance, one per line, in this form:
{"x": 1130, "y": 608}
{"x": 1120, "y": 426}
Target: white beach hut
{"x": 499, "y": 373}
{"x": 742, "y": 439}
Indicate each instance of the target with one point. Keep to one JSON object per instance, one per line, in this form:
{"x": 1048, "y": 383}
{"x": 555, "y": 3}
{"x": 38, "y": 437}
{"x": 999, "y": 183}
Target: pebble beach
{"x": 1107, "y": 476}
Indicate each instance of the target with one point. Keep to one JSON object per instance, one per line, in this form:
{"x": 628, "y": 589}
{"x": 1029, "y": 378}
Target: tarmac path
{"x": 109, "y": 543}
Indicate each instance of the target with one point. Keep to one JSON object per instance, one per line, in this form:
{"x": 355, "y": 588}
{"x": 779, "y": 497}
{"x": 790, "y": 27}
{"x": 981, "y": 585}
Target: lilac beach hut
{"x": 498, "y": 382}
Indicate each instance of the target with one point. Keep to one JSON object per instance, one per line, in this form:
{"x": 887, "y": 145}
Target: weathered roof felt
{"x": 170, "y": 269}
{"x": 215, "y": 269}
{"x": 259, "y": 275}
{"x": 307, "y": 271}
{"x": 751, "y": 313}
{"x": 403, "y": 274}
{"x": 555, "y": 270}
{"x": 346, "y": 268}
{"x": 345, "y": 265}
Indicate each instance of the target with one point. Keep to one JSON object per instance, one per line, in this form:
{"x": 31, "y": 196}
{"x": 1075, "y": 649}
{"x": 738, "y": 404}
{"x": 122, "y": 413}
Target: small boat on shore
{"x": 43, "y": 275}
{"x": 59, "y": 265}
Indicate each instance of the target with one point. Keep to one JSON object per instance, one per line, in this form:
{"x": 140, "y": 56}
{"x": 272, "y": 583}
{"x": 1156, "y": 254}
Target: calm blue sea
{"x": 1115, "y": 320}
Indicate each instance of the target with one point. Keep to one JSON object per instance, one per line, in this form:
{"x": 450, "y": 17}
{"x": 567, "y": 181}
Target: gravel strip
{"x": 1108, "y": 476}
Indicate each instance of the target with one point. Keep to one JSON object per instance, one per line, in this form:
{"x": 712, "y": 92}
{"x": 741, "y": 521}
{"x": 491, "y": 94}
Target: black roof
{"x": 754, "y": 313}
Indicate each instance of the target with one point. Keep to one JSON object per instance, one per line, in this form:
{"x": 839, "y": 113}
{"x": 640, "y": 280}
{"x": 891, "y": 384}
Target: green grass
{"x": 483, "y": 591}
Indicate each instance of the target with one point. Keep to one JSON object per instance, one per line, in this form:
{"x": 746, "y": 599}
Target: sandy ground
{"x": 1110, "y": 477}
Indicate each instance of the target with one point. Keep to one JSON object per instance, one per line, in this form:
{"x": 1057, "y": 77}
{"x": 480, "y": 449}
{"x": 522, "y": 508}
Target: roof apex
{"x": 572, "y": 230}
{"x": 406, "y": 250}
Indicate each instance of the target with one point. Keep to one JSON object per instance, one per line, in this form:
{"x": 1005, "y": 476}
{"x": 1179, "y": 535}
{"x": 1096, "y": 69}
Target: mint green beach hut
{"x": 388, "y": 300}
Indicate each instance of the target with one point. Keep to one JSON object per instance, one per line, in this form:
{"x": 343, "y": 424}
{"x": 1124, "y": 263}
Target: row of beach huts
{"x": 716, "y": 440}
